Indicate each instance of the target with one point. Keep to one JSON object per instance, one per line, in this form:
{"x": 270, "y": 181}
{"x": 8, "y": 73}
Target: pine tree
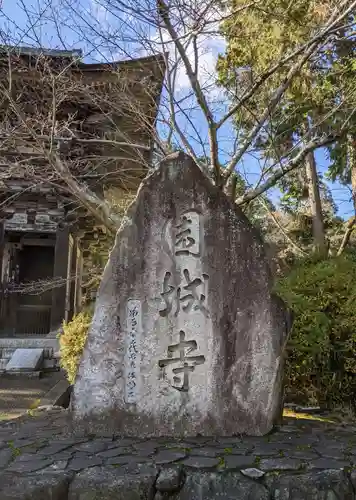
{"x": 258, "y": 37}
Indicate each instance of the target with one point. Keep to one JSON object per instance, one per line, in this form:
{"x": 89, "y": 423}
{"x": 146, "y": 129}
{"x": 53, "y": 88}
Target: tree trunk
{"x": 353, "y": 185}
{"x": 315, "y": 204}
{"x": 352, "y": 165}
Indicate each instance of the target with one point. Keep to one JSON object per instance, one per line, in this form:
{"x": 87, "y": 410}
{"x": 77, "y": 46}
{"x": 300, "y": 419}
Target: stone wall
{"x": 303, "y": 460}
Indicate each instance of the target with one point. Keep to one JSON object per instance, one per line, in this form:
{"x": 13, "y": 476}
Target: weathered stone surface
{"x": 238, "y": 462}
{"x": 27, "y": 457}
{"x": 64, "y": 455}
{"x": 141, "y": 468}
{"x": 280, "y": 464}
{"x": 113, "y": 452}
{"x": 272, "y": 449}
{"x": 126, "y": 459}
{"x": 200, "y": 441}
{"x": 91, "y": 447}
{"x": 5, "y": 457}
{"x": 201, "y": 462}
{"x": 52, "y": 449}
{"x": 330, "y": 453}
{"x": 195, "y": 478}
{"x": 170, "y": 480}
{"x": 21, "y": 443}
{"x": 231, "y": 486}
{"x": 58, "y": 465}
{"x": 168, "y": 456}
{"x": 111, "y": 484}
{"x": 124, "y": 442}
{"x": 208, "y": 452}
{"x": 146, "y": 448}
{"x": 326, "y": 485}
{"x": 80, "y": 454}
{"x": 84, "y": 463}
{"x": 187, "y": 337}
{"x": 35, "y": 487}
{"x": 353, "y": 479}
{"x": 253, "y": 473}
{"x": 328, "y": 463}
{"x": 303, "y": 455}
{"x": 30, "y": 466}
{"x": 25, "y": 359}
{"x": 176, "y": 443}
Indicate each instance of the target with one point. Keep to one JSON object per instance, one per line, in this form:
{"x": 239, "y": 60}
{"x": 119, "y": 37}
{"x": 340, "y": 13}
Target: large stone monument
{"x": 187, "y": 337}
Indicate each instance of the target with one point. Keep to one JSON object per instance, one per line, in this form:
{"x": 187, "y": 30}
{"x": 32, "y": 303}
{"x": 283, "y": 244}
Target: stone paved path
{"x": 302, "y": 460}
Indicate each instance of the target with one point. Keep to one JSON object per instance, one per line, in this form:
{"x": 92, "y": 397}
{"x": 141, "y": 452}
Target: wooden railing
{"x": 33, "y": 320}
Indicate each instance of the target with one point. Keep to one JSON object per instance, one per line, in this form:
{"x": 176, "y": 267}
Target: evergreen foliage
{"x": 321, "y": 362}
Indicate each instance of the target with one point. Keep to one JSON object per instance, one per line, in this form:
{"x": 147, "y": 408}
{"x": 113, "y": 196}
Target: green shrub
{"x": 72, "y": 341}
{"x": 321, "y": 363}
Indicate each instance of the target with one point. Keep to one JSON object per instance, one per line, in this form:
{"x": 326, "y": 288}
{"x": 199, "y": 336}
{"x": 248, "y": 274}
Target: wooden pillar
{"x": 73, "y": 280}
{"x": 78, "y": 283}
{"x": 12, "y": 300}
{"x": 60, "y": 270}
{"x": 2, "y": 295}
{"x": 68, "y": 304}
{"x": 2, "y": 246}
{"x": 76, "y": 279}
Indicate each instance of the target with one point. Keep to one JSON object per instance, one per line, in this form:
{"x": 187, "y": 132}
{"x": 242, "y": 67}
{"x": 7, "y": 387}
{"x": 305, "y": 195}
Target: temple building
{"x": 90, "y": 116}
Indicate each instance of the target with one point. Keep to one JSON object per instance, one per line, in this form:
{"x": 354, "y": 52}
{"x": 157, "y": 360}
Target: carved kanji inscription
{"x": 181, "y": 362}
{"x": 187, "y": 235}
{"x": 189, "y": 295}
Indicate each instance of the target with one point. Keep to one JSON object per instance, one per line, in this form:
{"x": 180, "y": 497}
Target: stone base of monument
{"x": 304, "y": 459}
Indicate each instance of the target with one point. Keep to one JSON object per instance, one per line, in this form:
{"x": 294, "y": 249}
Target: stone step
{"x": 50, "y": 344}
{"x": 50, "y": 364}
{"x": 22, "y": 373}
{"x": 48, "y": 352}
{"x": 8, "y": 355}
{"x": 3, "y": 363}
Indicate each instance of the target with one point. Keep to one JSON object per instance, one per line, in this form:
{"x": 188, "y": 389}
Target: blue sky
{"x": 14, "y": 19}
{"x": 341, "y": 194}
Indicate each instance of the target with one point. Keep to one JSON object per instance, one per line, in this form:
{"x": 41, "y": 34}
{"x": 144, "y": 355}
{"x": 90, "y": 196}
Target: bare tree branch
{"x": 163, "y": 10}
{"x": 299, "y": 250}
{"x": 291, "y": 165}
{"x": 350, "y": 227}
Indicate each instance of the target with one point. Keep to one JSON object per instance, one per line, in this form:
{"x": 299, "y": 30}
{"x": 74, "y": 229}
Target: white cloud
{"x": 99, "y": 12}
{"x": 208, "y": 49}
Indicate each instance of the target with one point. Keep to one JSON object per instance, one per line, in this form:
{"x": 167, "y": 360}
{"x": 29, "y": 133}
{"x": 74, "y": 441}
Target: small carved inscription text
{"x": 132, "y": 355}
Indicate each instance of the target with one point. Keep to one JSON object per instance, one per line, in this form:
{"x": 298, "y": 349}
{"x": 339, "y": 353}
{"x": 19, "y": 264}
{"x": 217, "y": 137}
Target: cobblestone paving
{"x": 301, "y": 460}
